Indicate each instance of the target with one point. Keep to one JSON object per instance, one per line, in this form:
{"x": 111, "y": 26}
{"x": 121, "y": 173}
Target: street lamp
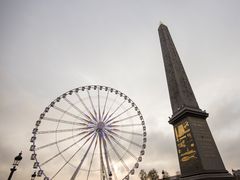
{"x": 16, "y": 162}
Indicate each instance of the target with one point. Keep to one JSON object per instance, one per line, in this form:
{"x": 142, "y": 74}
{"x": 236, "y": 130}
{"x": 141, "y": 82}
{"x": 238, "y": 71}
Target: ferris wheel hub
{"x": 100, "y": 125}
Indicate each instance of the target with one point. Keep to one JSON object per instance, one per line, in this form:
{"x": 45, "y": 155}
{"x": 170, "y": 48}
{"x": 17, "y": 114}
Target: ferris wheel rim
{"x": 109, "y": 119}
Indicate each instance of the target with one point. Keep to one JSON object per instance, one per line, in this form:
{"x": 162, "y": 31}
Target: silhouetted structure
{"x": 197, "y": 152}
{"x": 236, "y": 174}
{"x": 16, "y": 162}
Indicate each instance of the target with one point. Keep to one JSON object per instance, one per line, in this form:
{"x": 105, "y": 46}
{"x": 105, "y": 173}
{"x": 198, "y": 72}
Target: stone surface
{"x": 179, "y": 87}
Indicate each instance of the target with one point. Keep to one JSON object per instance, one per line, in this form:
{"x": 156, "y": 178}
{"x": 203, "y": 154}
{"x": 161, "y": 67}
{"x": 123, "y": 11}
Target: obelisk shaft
{"x": 180, "y": 91}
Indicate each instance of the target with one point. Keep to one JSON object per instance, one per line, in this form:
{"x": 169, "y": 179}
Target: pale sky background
{"x": 48, "y": 47}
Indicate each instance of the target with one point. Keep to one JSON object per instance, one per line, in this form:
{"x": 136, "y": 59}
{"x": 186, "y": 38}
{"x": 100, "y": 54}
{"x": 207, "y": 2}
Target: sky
{"x": 49, "y": 47}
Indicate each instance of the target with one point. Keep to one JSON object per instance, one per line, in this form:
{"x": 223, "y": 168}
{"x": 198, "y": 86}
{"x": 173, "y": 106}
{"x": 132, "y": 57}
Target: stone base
{"x": 217, "y": 176}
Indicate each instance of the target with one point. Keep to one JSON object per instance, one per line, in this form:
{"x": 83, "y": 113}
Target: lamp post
{"x": 16, "y": 162}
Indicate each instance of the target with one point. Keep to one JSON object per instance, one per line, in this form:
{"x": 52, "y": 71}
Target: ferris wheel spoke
{"x": 123, "y": 138}
{"x": 121, "y": 120}
{"x": 70, "y": 114}
{"x": 105, "y": 104}
{"x": 99, "y": 109}
{"x": 71, "y": 157}
{"x": 85, "y": 106}
{"x": 109, "y": 120}
{"x": 127, "y": 132}
{"x": 63, "y": 130}
{"x": 122, "y": 146}
{"x": 114, "y": 111}
{"x": 89, "y": 96}
{"x": 82, "y": 160}
{"x": 118, "y": 155}
{"x": 125, "y": 125}
{"x": 89, "y": 169}
{"x": 63, "y": 121}
{"x": 53, "y": 157}
{"x": 79, "y": 110}
{"x": 62, "y": 140}
{"x": 105, "y": 117}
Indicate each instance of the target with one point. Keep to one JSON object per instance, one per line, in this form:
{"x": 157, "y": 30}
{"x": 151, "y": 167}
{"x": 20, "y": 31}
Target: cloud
{"x": 47, "y": 49}
{"x": 224, "y": 123}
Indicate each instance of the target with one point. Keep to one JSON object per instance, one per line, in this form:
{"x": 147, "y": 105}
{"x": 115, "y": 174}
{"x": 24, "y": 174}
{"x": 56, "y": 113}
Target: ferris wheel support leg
{"x": 102, "y": 166}
{"x": 107, "y": 158}
{"x": 92, "y": 158}
{"x": 79, "y": 166}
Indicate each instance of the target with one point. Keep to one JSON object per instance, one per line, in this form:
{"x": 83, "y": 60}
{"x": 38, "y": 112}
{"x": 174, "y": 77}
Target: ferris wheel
{"x": 90, "y": 132}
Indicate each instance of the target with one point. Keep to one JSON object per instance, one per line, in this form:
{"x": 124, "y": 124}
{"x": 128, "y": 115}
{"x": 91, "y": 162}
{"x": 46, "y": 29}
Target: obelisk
{"x": 198, "y": 154}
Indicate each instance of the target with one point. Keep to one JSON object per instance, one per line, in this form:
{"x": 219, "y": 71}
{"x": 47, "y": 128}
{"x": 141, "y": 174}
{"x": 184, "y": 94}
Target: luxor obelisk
{"x": 198, "y": 155}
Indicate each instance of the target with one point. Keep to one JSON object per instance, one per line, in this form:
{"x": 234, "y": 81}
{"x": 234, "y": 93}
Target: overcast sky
{"x": 49, "y": 47}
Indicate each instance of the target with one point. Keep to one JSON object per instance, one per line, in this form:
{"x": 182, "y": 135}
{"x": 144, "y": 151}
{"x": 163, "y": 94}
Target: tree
{"x": 142, "y": 175}
{"x": 153, "y": 175}
{"x": 165, "y": 175}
